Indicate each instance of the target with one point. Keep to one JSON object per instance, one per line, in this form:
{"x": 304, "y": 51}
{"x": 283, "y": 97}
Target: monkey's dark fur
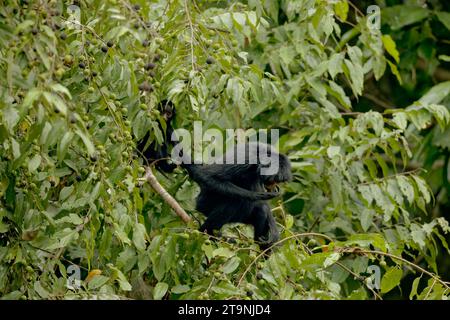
{"x": 236, "y": 192}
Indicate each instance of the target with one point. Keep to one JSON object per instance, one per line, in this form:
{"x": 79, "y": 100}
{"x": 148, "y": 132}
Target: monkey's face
{"x": 167, "y": 110}
{"x": 283, "y": 174}
{"x": 271, "y": 186}
{"x": 168, "y": 113}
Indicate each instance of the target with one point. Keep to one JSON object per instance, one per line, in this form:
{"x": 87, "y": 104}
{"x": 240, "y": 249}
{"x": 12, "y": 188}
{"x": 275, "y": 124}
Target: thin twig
{"x": 360, "y": 278}
{"x": 390, "y": 176}
{"x": 393, "y": 256}
{"x": 298, "y": 235}
{"x": 378, "y": 101}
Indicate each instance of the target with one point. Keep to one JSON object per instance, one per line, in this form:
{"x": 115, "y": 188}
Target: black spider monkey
{"x": 229, "y": 192}
{"x": 237, "y": 192}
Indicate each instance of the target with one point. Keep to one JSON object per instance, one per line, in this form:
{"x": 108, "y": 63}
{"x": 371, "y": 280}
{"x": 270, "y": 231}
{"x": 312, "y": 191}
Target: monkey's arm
{"x": 206, "y": 176}
{"x": 230, "y": 189}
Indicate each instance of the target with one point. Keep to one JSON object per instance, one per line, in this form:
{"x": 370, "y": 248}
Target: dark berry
{"x": 105, "y": 49}
{"x": 110, "y": 43}
{"x": 34, "y": 31}
{"x": 136, "y": 7}
{"x": 63, "y": 36}
{"x": 209, "y": 60}
{"x": 259, "y": 276}
{"x": 145, "y": 86}
{"x": 145, "y": 43}
{"x": 156, "y": 57}
{"x": 149, "y": 66}
{"x": 82, "y": 65}
{"x": 94, "y": 73}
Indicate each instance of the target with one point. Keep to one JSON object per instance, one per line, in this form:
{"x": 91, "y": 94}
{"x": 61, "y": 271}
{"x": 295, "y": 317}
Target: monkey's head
{"x": 282, "y": 174}
{"x": 276, "y": 170}
{"x": 167, "y": 110}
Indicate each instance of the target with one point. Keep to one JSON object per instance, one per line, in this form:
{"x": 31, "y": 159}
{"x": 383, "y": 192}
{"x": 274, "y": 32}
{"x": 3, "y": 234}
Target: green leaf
{"x": 71, "y": 218}
{"x": 365, "y": 240}
{"x": 60, "y": 88}
{"x": 316, "y": 261}
{"x": 395, "y": 72}
{"x": 34, "y": 163}
{"x": 341, "y": 9}
{"x": 66, "y": 192}
{"x": 97, "y": 282}
{"x": 336, "y": 91}
{"x": 331, "y": 259}
{"x": 366, "y": 218}
{"x": 120, "y": 278}
{"x": 33, "y": 95}
{"x": 333, "y": 151}
{"x": 223, "y": 252}
{"x": 160, "y": 290}
{"x": 423, "y": 188}
{"x": 405, "y": 186}
{"x": 10, "y": 117}
{"x": 44, "y": 294}
{"x": 56, "y": 101}
{"x": 440, "y": 113}
{"x": 436, "y": 94}
{"x": 390, "y": 47}
{"x": 208, "y": 250}
{"x": 63, "y": 144}
{"x": 400, "y": 120}
{"x": 13, "y": 295}
{"x": 444, "y": 17}
{"x": 418, "y": 235}
{"x": 391, "y": 279}
{"x": 335, "y": 64}
{"x": 414, "y": 287}
{"x": 181, "y": 288}
{"x": 231, "y": 265}
{"x": 402, "y": 15}
{"x": 139, "y": 236}
{"x": 87, "y": 142}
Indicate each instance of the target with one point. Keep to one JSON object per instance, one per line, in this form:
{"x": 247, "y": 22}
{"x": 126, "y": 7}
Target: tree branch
{"x": 150, "y": 177}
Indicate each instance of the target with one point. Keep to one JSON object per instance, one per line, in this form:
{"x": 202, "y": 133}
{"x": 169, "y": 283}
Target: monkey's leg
{"x": 264, "y": 224}
{"x": 216, "y": 219}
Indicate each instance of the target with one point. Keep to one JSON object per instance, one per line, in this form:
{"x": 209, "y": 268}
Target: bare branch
{"x": 150, "y": 177}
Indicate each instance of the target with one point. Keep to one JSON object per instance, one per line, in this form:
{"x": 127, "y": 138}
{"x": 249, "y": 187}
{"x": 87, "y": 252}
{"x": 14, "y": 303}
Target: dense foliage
{"x": 363, "y": 108}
